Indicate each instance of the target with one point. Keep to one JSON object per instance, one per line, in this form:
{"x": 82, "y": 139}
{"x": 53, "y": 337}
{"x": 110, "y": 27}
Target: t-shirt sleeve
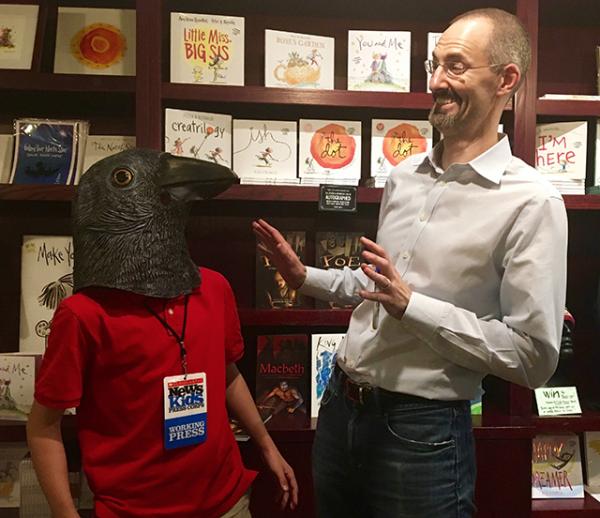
{"x": 59, "y": 383}
{"x": 234, "y": 343}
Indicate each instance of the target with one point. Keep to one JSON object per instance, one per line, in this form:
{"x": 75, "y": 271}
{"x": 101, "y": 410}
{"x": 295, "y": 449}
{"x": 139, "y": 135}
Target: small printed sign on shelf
{"x": 337, "y": 198}
{"x": 557, "y": 401}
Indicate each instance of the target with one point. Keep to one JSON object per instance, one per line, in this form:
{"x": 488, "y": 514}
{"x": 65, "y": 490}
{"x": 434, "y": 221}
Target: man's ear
{"x": 509, "y": 79}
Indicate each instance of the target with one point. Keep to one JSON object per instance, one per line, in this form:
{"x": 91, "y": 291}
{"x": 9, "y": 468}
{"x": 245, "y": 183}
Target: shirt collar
{"x": 491, "y": 164}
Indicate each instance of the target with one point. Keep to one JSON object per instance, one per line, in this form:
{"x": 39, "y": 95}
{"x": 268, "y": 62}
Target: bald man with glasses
{"x": 467, "y": 278}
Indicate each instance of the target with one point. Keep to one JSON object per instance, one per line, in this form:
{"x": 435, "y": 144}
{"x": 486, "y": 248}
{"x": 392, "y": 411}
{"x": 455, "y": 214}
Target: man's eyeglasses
{"x": 453, "y": 68}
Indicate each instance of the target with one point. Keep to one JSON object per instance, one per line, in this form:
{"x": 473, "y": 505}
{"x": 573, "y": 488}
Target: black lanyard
{"x": 178, "y": 337}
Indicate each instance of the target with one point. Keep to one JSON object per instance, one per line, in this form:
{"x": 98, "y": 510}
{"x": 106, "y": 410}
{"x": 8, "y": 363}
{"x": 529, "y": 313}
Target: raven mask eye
{"x": 122, "y": 177}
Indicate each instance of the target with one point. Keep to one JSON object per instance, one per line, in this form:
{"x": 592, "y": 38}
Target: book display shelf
{"x": 564, "y": 35}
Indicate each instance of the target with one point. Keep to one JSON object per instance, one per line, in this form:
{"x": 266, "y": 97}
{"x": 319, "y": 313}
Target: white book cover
{"x": 295, "y": 60}
{"x": 207, "y": 49}
{"x": 18, "y": 24}
{"x": 7, "y": 143}
{"x": 392, "y": 141}
{"x": 379, "y": 61}
{"x": 556, "y": 467}
{"x": 11, "y": 455}
{"x": 100, "y": 146}
{"x": 95, "y": 41}
{"x": 17, "y": 382}
{"x": 561, "y": 151}
{"x": 592, "y": 457}
{"x": 265, "y": 151}
{"x": 432, "y": 40}
{"x": 329, "y": 151}
{"x": 46, "y": 279}
{"x": 323, "y": 354}
{"x": 205, "y": 136}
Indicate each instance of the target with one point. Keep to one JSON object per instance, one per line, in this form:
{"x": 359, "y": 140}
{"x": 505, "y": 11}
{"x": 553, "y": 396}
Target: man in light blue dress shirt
{"x": 467, "y": 278}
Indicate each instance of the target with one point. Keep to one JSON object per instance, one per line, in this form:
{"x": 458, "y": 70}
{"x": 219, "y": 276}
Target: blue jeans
{"x": 392, "y": 456}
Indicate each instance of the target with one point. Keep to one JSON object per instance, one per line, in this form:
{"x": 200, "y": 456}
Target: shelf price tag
{"x": 337, "y": 198}
{"x": 557, "y": 401}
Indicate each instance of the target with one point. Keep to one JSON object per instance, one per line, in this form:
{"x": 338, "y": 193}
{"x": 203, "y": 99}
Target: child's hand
{"x": 285, "y": 476}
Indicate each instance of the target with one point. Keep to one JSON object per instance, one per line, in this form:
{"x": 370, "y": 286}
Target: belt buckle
{"x": 361, "y": 390}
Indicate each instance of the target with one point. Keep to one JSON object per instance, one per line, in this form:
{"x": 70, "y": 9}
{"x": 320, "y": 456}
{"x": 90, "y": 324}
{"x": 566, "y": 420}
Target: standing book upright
{"x": 282, "y": 379}
{"x": 47, "y": 151}
{"x": 265, "y": 152}
{"x": 272, "y": 291}
{"x": 17, "y": 381}
{"x": 393, "y": 141}
{"x": 561, "y": 154}
{"x": 11, "y": 455}
{"x": 592, "y": 458}
{"x": 295, "y": 60}
{"x": 46, "y": 279}
{"x": 6, "y": 155}
{"x": 432, "y": 40}
{"x": 556, "y": 467}
{"x": 205, "y": 136}
{"x": 379, "y": 61}
{"x": 337, "y": 250}
{"x": 95, "y": 41}
{"x": 323, "y": 355}
{"x": 207, "y": 49}
{"x": 329, "y": 152}
{"x": 18, "y": 24}
{"x": 98, "y": 147}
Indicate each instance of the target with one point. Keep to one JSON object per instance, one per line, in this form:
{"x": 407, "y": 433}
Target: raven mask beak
{"x": 187, "y": 178}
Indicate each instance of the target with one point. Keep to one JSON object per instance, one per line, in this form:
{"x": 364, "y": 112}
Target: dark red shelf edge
{"x": 267, "y": 95}
{"x": 565, "y": 507}
{"x": 366, "y": 195}
{"x": 294, "y": 317}
{"x": 41, "y": 81}
{"x": 568, "y": 108}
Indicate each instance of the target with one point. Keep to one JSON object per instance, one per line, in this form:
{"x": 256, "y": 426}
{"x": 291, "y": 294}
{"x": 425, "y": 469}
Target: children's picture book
{"x": 207, "y": 49}
{"x": 295, "y": 60}
{"x": 46, "y": 151}
{"x": 283, "y": 379}
{"x": 95, "y": 41}
{"x": 6, "y": 155}
{"x": 556, "y": 467}
{"x": 17, "y": 380}
{"x": 392, "y": 141}
{"x": 98, "y": 147}
{"x": 592, "y": 458}
{"x": 46, "y": 279}
{"x": 265, "y": 152}
{"x": 18, "y": 24}
{"x": 11, "y": 454}
{"x": 329, "y": 152}
{"x": 205, "y": 136}
{"x": 323, "y": 355}
{"x": 337, "y": 250}
{"x": 432, "y": 40}
{"x": 379, "y": 61}
{"x": 272, "y": 291}
{"x": 561, "y": 154}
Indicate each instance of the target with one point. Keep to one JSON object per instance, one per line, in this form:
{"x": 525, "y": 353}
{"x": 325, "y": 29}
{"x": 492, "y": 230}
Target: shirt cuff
{"x": 317, "y": 283}
{"x": 424, "y": 315}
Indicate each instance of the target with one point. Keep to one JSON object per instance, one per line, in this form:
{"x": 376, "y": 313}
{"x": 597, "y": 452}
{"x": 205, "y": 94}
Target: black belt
{"x": 363, "y": 393}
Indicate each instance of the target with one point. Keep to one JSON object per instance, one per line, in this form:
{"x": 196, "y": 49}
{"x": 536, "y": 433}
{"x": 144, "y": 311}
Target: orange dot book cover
{"x": 95, "y": 41}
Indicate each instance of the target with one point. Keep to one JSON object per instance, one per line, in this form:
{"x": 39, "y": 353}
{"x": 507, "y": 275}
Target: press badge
{"x": 185, "y": 410}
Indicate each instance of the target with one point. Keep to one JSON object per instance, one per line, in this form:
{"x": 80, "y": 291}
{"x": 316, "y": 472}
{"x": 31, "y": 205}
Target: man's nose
{"x": 438, "y": 78}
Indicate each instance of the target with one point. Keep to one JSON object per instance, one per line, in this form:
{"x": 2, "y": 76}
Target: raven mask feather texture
{"x": 129, "y": 218}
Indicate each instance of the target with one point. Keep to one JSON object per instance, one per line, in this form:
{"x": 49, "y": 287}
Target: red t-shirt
{"x": 108, "y": 355}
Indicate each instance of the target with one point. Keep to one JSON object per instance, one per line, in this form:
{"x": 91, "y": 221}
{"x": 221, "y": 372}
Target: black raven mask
{"x": 129, "y": 218}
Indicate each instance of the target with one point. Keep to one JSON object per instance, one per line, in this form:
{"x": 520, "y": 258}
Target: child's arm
{"x": 241, "y": 404}
{"x": 49, "y": 460}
